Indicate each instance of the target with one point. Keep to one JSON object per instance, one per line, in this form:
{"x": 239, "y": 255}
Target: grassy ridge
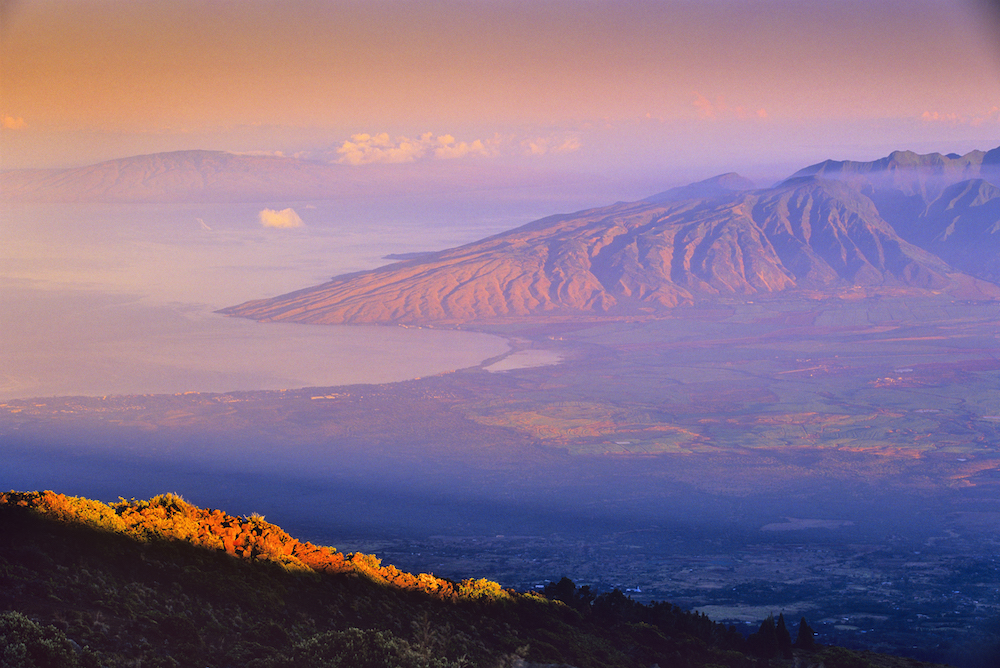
{"x": 164, "y": 583}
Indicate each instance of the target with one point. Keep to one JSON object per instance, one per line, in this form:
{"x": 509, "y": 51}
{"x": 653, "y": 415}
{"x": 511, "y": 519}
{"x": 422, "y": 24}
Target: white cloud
{"x": 363, "y": 149}
{"x": 568, "y": 145}
{"x": 555, "y": 144}
{"x": 11, "y": 123}
{"x": 447, "y": 147}
{"x": 991, "y": 115}
{"x": 937, "y": 117}
{"x": 266, "y": 154}
{"x": 705, "y": 107}
{"x": 720, "y": 109}
{"x": 286, "y": 218}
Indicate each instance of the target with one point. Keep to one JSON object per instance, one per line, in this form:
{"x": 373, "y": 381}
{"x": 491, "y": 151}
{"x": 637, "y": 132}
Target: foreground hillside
{"x": 164, "y": 583}
{"x": 907, "y": 224}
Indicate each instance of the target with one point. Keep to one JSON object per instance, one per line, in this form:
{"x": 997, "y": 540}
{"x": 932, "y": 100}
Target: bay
{"x": 102, "y": 299}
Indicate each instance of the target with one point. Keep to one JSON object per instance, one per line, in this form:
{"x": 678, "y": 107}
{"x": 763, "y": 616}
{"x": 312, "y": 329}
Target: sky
{"x": 622, "y": 88}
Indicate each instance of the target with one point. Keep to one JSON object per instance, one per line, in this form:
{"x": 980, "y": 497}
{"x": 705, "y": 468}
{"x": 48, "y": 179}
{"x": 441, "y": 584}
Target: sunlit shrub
{"x": 67, "y": 508}
{"x": 483, "y": 589}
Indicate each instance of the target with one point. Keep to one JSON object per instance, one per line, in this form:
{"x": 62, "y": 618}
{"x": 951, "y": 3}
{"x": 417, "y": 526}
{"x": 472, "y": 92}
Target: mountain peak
{"x": 722, "y": 184}
{"x": 904, "y": 160}
{"x": 992, "y": 157}
{"x": 641, "y": 259}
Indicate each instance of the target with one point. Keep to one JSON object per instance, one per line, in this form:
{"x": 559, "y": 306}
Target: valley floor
{"x": 827, "y": 458}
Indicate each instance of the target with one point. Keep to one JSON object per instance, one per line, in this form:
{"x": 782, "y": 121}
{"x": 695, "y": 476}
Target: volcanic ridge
{"x": 905, "y": 224}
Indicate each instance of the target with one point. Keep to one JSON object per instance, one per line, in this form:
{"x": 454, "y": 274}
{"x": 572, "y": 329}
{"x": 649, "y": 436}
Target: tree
{"x": 615, "y": 607}
{"x": 566, "y": 591}
{"x": 806, "y": 638}
{"x": 764, "y": 643}
{"x": 783, "y": 637}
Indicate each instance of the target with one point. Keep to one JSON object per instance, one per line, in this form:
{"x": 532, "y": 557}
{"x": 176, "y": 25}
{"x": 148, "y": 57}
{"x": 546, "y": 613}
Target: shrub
{"x": 25, "y": 644}
{"x": 838, "y": 657}
{"x": 354, "y": 648}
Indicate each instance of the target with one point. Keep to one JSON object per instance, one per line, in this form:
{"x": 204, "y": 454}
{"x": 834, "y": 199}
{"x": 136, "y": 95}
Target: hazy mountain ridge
{"x": 946, "y": 204}
{"x": 962, "y": 226}
{"x": 807, "y": 233}
{"x": 717, "y": 185}
{"x": 912, "y": 171}
{"x": 221, "y": 177}
{"x": 193, "y": 176}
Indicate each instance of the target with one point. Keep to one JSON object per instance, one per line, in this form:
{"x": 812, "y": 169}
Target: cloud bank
{"x": 991, "y": 115}
{"x": 284, "y": 219}
{"x": 448, "y": 147}
{"x": 720, "y": 109}
{"x": 543, "y": 145}
{"x": 365, "y": 149}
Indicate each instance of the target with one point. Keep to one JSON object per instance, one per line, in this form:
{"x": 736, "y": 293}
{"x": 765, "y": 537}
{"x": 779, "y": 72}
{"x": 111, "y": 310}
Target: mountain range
{"x": 179, "y": 176}
{"x": 221, "y": 177}
{"x": 908, "y": 223}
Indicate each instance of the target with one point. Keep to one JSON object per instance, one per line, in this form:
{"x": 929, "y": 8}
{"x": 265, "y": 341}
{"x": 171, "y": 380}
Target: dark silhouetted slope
{"x": 166, "y": 583}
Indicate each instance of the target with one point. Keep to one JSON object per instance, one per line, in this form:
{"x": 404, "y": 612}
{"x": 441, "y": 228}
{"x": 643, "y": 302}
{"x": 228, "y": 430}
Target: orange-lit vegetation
{"x": 170, "y": 517}
{"x": 163, "y": 583}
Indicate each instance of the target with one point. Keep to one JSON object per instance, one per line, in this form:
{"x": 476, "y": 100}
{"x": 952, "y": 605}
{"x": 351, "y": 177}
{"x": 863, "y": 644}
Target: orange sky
{"x": 591, "y": 83}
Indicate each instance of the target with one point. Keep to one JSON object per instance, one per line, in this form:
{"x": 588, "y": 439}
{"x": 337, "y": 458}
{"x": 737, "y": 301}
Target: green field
{"x": 895, "y": 378}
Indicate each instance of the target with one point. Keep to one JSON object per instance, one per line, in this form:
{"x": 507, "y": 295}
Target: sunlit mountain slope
{"x": 715, "y": 239}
